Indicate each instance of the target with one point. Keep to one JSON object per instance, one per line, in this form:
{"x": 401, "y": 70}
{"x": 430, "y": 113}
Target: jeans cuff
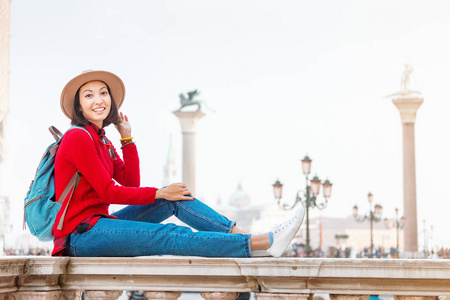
{"x": 230, "y": 227}
{"x": 248, "y": 247}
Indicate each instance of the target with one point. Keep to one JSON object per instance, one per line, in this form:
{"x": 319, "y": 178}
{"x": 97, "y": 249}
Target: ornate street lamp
{"x": 373, "y": 216}
{"x": 309, "y": 197}
{"x": 396, "y": 223}
{"x": 327, "y": 189}
{"x": 306, "y": 165}
{"x": 278, "y": 190}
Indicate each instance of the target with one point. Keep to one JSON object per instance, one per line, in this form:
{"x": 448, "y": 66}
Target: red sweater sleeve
{"x": 82, "y": 154}
{"x": 126, "y": 171}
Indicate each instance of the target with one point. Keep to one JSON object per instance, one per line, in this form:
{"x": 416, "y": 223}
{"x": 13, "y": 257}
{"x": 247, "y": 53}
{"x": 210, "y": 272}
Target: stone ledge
{"x": 274, "y": 275}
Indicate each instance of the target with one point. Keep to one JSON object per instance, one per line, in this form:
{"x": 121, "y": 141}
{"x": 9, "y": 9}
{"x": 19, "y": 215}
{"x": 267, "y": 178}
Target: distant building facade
{"x": 325, "y": 232}
{"x": 328, "y": 232}
{"x": 239, "y": 209}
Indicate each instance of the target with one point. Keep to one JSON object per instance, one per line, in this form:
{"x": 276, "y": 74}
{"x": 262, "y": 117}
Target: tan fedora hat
{"x": 115, "y": 84}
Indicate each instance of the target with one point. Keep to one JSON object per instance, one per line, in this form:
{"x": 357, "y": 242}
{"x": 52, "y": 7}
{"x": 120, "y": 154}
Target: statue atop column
{"x": 405, "y": 87}
{"x": 190, "y": 100}
{"x": 406, "y": 78}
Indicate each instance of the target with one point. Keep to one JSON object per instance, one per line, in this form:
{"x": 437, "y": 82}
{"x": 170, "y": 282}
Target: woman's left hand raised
{"x": 124, "y": 127}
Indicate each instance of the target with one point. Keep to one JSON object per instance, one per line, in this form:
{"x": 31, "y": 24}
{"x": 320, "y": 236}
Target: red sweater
{"x": 97, "y": 188}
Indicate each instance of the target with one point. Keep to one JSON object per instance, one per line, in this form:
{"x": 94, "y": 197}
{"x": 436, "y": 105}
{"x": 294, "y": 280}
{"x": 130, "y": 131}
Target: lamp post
{"x": 373, "y": 216}
{"x": 396, "y": 223}
{"x": 309, "y": 197}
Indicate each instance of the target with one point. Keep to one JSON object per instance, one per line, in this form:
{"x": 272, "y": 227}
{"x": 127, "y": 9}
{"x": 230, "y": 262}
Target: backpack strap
{"x": 79, "y": 127}
{"x": 55, "y": 132}
{"x": 73, "y": 183}
{"x": 58, "y": 135}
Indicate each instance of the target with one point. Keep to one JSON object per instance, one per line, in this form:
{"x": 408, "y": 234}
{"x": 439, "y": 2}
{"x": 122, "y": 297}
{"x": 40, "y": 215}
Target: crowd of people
{"x": 378, "y": 252}
{"x": 441, "y": 253}
{"x": 298, "y": 250}
{"x": 31, "y": 251}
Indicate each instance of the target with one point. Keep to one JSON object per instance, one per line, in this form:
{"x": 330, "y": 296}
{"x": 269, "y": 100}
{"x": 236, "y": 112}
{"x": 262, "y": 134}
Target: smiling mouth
{"x": 98, "y": 109}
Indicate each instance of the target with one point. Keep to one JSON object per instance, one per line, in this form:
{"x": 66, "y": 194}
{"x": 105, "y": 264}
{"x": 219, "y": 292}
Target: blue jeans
{"x": 137, "y": 232}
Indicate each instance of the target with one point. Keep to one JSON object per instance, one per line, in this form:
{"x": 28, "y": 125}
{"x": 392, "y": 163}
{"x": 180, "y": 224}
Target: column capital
{"x": 188, "y": 120}
{"x": 408, "y": 103}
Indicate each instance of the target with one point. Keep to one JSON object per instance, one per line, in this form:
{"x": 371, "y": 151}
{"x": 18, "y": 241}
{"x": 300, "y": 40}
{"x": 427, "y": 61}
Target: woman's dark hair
{"x": 78, "y": 118}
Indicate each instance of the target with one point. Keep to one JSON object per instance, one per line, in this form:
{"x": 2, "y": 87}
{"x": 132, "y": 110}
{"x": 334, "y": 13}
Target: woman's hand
{"x": 174, "y": 192}
{"x": 124, "y": 127}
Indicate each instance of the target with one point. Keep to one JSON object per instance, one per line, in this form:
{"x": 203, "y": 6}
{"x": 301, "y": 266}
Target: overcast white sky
{"x": 285, "y": 78}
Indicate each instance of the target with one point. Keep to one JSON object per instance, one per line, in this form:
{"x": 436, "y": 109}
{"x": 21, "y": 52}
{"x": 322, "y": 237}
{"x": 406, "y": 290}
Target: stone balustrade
{"x": 165, "y": 277}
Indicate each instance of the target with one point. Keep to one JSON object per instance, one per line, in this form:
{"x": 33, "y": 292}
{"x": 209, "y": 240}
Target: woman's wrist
{"x": 126, "y": 141}
{"x": 159, "y": 194}
{"x": 125, "y": 135}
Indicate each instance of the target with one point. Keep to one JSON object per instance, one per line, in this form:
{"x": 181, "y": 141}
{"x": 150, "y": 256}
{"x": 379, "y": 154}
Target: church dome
{"x": 239, "y": 198}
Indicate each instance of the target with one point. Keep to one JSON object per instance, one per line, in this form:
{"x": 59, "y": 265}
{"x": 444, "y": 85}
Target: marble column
{"x": 188, "y": 121}
{"x": 4, "y": 70}
{"x": 4, "y": 108}
{"x": 408, "y": 103}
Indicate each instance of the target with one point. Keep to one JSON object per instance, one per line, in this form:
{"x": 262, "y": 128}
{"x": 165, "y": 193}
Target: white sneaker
{"x": 284, "y": 233}
{"x": 264, "y": 253}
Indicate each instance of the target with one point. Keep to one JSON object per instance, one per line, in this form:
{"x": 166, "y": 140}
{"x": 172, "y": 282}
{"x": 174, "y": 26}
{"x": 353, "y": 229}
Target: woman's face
{"x": 95, "y": 102}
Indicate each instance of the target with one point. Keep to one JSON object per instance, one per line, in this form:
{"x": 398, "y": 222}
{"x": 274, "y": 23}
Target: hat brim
{"x": 115, "y": 84}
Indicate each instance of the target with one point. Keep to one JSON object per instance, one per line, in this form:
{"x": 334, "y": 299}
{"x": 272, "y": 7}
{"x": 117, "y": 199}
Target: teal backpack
{"x": 41, "y": 205}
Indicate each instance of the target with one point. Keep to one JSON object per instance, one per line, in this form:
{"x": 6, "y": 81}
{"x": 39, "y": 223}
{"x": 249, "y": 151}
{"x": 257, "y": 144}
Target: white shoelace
{"x": 279, "y": 227}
